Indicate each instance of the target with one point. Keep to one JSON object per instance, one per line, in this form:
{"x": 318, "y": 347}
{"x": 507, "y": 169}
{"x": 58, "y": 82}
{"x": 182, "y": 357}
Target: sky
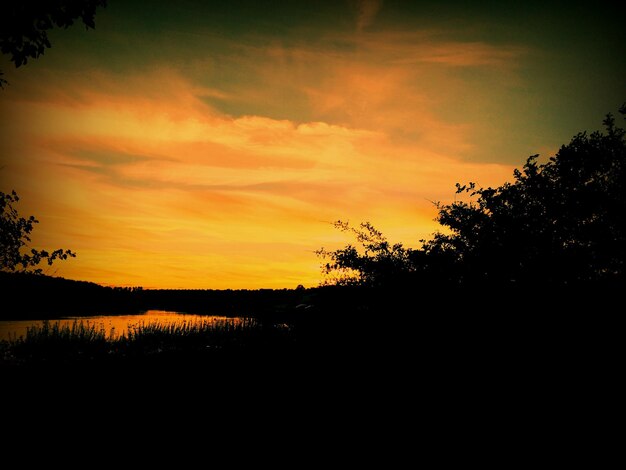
{"x": 211, "y": 144}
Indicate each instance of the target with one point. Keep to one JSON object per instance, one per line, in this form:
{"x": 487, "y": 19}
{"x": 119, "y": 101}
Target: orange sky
{"x": 170, "y": 173}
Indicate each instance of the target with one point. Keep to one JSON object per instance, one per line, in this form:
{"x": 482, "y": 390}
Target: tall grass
{"x": 223, "y": 333}
{"x": 53, "y": 341}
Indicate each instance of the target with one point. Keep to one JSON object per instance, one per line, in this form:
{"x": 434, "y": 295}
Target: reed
{"x": 53, "y": 341}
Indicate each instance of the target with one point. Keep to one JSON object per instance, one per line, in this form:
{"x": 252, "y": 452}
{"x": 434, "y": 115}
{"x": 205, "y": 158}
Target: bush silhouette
{"x": 376, "y": 263}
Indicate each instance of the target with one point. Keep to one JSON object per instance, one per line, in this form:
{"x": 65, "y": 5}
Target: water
{"x": 113, "y": 325}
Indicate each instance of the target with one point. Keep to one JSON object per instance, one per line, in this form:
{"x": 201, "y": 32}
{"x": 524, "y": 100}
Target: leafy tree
{"x": 15, "y": 236}
{"x": 24, "y": 25}
{"x": 560, "y": 222}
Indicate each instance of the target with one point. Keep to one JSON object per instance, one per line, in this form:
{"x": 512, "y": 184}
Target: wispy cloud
{"x": 404, "y": 84}
{"x": 433, "y": 46}
{"x": 366, "y": 11}
{"x": 144, "y": 172}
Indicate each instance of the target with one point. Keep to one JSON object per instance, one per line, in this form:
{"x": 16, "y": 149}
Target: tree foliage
{"x": 560, "y": 222}
{"x": 375, "y": 262}
{"x": 15, "y": 237}
{"x": 24, "y": 24}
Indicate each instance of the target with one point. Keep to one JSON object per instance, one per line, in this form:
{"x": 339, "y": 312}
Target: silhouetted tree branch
{"x": 15, "y": 236}
{"x": 375, "y": 263}
{"x": 24, "y": 24}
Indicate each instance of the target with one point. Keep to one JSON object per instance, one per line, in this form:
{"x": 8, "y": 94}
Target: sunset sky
{"x": 209, "y": 144}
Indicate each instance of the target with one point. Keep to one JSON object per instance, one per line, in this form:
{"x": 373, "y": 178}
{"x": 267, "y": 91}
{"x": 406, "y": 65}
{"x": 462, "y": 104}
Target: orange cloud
{"x": 366, "y": 11}
{"x": 152, "y": 184}
{"x": 405, "y": 84}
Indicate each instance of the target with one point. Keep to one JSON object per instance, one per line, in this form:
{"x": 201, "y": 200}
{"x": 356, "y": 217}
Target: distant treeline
{"x": 38, "y": 296}
{"x": 26, "y": 295}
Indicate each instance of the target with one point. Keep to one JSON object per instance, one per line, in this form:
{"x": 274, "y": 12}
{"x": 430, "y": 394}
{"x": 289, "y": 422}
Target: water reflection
{"x": 112, "y": 325}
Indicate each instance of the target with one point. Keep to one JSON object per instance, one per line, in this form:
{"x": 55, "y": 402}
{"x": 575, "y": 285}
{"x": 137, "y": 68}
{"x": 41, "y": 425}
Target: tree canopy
{"x": 15, "y": 237}
{"x": 559, "y": 222}
{"x": 24, "y": 25}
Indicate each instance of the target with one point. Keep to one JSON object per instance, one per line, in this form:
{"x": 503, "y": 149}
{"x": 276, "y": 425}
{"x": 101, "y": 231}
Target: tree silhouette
{"x": 561, "y": 222}
{"x": 24, "y": 25}
{"x": 15, "y": 235}
{"x": 377, "y": 261}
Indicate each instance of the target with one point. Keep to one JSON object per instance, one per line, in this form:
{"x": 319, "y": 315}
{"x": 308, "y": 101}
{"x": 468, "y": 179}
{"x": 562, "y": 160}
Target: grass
{"x": 52, "y": 342}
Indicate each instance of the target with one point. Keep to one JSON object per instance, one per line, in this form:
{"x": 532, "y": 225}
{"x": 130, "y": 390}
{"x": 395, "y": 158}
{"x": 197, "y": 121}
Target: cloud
{"x": 147, "y": 178}
{"x": 420, "y": 85}
{"x": 434, "y": 47}
{"x": 366, "y": 11}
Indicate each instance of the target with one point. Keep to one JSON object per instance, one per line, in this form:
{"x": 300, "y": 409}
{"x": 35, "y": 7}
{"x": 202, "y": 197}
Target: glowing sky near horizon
{"x": 209, "y": 144}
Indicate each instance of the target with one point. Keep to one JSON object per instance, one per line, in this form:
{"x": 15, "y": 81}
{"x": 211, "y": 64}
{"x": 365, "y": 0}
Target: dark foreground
{"x": 398, "y": 342}
{"x": 450, "y": 344}
{"x": 380, "y": 383}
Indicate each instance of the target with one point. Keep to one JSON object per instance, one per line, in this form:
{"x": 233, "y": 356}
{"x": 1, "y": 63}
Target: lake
{"x": 113, "y": 325}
